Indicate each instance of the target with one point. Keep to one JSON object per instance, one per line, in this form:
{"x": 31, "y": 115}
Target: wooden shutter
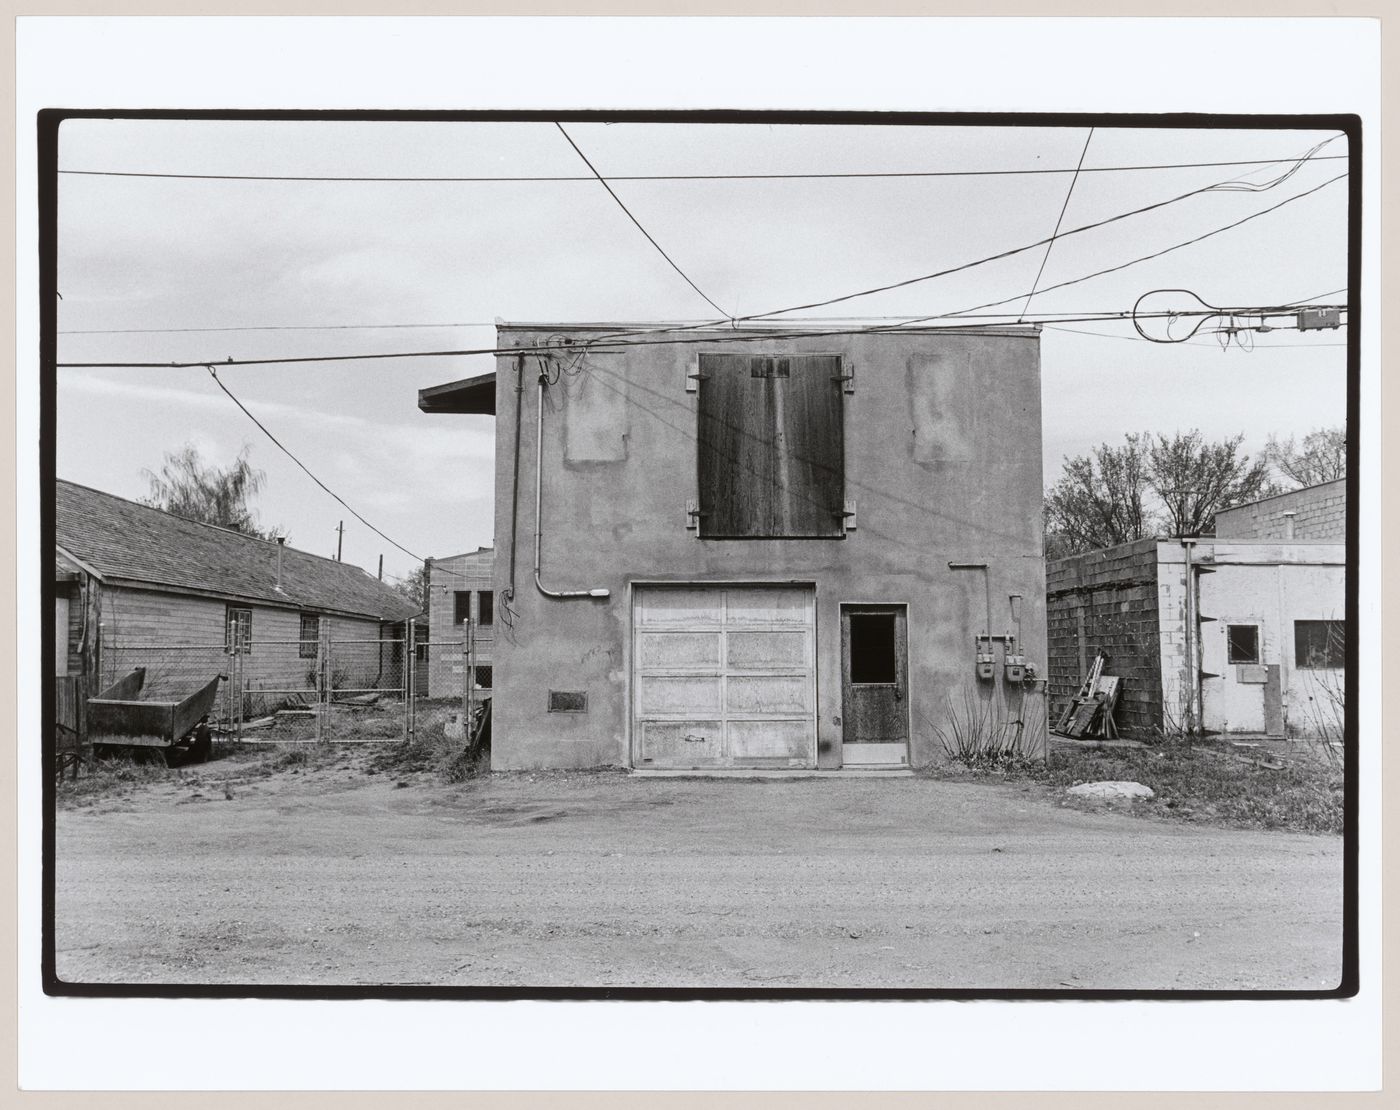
{"x": 771, "y": 453}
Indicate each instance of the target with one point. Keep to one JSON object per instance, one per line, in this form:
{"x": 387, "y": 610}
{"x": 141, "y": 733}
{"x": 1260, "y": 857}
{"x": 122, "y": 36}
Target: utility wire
{"x": 861, "y": 175}
{"x": 1145, "y": 257}
{"x": 1055, "y": 234}
{"x": 281, "y": 446}
{"x": 637, "y": 222}
{"x": 995, "y": 257}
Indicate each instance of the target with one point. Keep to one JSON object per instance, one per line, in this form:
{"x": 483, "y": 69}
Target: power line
{"x": 277, "y": 327}
{"x": 1055, "y": 234}
{"x": 1000, "y": 255}
{"x": 559, "y": 178}
{"x": 1189, "y": 342}
{"x": 1148, "y": 257}
{"x": 637, "y": 222}
{"x": 283, "y": 448}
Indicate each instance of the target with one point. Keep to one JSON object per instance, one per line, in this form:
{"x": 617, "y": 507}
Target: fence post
{"x": 322, "y": 631}
{"x": 410, "y": 648}
{"x": 468, "y": 675}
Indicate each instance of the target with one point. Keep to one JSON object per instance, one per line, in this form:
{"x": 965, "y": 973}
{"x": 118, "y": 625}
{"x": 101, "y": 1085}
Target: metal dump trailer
{"x": 119, "y": 717}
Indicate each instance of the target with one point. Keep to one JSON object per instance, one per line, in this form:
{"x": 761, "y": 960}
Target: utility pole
{"x": 381, "y": 566}
{"x": 339, "y": 539}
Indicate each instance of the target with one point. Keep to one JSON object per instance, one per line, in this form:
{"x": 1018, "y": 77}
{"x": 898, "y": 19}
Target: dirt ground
{"x": 332, "y": 875}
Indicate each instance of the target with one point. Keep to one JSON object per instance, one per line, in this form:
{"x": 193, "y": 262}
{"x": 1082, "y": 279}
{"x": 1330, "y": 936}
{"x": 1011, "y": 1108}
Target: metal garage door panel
{"x": 768, "y": 606}
{"x": 768, "y": 651}
{"x": 679, "y": 650}
{"x": 787, "y": 742}
{"x": 682, "y": 743}
{"x": 683, "y": 607}
{"x": 767, "y": 695}
{"x": 676, "y": 696}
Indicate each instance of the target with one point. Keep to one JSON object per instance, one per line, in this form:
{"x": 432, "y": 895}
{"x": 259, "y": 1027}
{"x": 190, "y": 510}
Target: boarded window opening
{"x": 771, "y": 452}
{"x": 461, "y": 606}
{"x": 485, "y": 607}
{"x": 568, "y": 701}
{"x": 873, "y": 649}
{"x": 1320, "y": 644}
{"x": 1243, "y": 643}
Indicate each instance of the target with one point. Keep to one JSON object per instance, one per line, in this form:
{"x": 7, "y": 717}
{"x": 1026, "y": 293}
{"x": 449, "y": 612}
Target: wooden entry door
{"x": 874, "y": 685}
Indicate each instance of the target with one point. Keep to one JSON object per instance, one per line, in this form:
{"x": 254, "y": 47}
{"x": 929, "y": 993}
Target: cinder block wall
{"x": 1107, "y": 599}
{"x": 1319, "y": 513}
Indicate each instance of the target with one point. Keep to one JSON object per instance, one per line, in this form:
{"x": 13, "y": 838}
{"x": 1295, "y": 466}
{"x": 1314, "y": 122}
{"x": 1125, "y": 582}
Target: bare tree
{"x": 1099, "y": 500}
{"x": 1195, "y": 479}
{"x": 414, "y": 587}
{"x": 1321, "y": 458}
{"x": 187, "y": 486}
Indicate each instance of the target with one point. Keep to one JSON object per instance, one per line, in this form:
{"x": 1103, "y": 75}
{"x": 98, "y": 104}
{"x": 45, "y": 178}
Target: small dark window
{"x": 310, "y": 634}
{"x": 238, "y": 630}
{"x": 568, "y": 701}
{"x": 872, "y": 648}
{"x": 1243, "y": 642}
{"x": 483, "y": 678}
{"x": 485, "y": 606}
{"x": 1319, "y": 644}
{"x": 461, "y": 606}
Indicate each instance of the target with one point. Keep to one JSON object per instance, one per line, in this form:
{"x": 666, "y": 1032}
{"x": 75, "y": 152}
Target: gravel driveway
{"x": 332, "y": 876}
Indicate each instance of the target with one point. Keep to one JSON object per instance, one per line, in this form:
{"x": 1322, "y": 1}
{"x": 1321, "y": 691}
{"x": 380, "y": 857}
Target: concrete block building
{"x": 1225, "y": 635}
{"x": 742, "y": 548}
{"x": 460, "y": 589}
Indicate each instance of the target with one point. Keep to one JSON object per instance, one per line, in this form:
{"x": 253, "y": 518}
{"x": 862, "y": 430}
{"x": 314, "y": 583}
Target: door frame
{"x": 841, "y": 665}
{"x": 631, "y": 738}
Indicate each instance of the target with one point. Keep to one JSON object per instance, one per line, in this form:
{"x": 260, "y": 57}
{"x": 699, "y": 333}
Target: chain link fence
{"x": 333, "y": 688}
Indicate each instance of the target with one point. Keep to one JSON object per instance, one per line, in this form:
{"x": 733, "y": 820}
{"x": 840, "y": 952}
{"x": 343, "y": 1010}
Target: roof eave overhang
{"x": 475, "y": 396}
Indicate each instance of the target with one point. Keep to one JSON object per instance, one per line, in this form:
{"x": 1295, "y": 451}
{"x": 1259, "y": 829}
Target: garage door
{"x": 724, "y": 676}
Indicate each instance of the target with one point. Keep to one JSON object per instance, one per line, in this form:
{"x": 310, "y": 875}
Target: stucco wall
{"x": 470, "y": 572}
{"x": 1318, "y": 513}
{"x": 1108, "y": 600}
{"x": 943, "y": 464}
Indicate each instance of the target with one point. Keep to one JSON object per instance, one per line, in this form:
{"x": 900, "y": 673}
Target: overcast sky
{"x": 349, "y": 264}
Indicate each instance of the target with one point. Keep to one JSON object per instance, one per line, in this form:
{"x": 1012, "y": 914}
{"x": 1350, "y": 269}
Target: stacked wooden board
{"x": 1090, "y": 711}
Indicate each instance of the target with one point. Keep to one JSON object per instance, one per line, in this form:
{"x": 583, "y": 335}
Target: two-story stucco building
{"x": 741, "y": 549}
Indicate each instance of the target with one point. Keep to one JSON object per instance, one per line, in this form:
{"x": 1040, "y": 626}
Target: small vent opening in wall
{"x": 568, "y": 701}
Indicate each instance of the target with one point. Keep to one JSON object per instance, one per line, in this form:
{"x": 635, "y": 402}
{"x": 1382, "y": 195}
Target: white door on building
{"x": 724, "y": 676}
{"x": 1240, "y": 673}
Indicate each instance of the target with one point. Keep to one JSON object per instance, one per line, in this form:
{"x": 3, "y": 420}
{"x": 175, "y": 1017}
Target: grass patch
{"x": 1208, "y": 782}
{"x": 433, "y": 752}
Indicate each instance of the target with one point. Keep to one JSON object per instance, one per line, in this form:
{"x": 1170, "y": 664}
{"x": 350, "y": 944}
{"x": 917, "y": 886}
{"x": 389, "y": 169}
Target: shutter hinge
{"x": 693, "y": 515}
{"x": 848, "y": 381}
{"x": 848, "y": 516}
{"x": 692, "y": 381}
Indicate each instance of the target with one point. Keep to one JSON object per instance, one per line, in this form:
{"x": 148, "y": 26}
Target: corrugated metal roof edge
{"x": 254, "y": 599}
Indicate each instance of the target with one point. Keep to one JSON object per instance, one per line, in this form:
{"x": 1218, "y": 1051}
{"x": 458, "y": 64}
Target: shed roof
{"x": 129, "y": 543}
{"x": 470, "y": 395}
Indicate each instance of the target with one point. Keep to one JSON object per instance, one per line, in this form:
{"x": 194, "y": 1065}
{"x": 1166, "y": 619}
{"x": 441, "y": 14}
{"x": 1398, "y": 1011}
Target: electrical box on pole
{"x": 1312, "y": 319}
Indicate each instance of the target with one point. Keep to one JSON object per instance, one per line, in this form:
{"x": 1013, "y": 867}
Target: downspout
{"x": 1193, "y": 669}
{"x": 539, "y": 471}
{"x": 515, "y": 475}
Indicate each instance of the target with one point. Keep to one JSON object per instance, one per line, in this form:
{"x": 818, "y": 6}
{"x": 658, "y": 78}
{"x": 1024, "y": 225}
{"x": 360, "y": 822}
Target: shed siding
{"x": 471, "y": 572}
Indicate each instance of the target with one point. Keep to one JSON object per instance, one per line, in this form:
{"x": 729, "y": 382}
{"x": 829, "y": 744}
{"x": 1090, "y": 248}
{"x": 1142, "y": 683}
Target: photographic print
{"x": 592, "y": 554}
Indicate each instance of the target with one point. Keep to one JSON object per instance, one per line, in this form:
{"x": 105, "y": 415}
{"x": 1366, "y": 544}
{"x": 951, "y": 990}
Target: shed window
{"x": 1243, "y": 642}
{"x": 238, "y": 630}
{"x": 1319, "y": 644}
{"x": 771, "y": 453}
{"x": 483, "y": 678}
{"x": 310, "y": 634}
{"x": 461, "y": 606}
{"x": 484, "y": 607}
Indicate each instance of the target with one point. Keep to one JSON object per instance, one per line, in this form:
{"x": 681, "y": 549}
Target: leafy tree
{"x": 187, "y": 486}
{"x": 1322, "y": 457}
{"x": 1195, "y": 479}
{"x": 1099, "y": 500}
{"x": 414, "y": 587}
